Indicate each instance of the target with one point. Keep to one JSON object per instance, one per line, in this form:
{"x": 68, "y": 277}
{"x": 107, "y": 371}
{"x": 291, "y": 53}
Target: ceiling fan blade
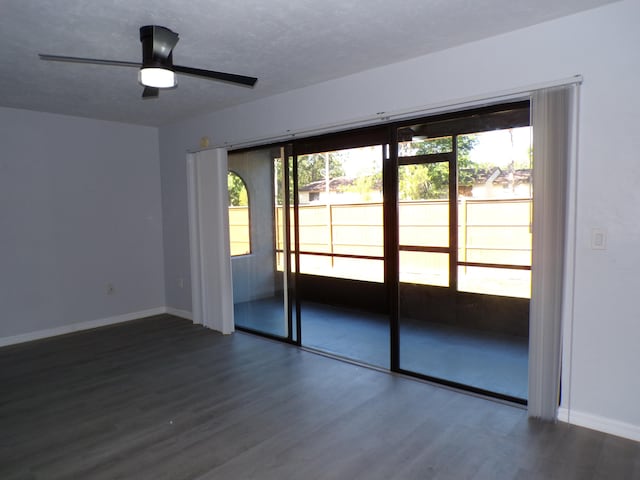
{"x": 225, "y": 77}
{"x": 93, "y": 61}
{"x": 150, "y": 92}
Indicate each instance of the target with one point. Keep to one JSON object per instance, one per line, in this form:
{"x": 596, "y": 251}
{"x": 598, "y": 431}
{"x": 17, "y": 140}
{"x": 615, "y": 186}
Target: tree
{"x": 238, "y": 195}
{"x": 431, "y": 180}
{"x": 312, "y": 168}
{"x": 423, "y": 181}
{"x": 368, "y": 180}
{"x": 466, "y": 168}
{"x": 365, "y": 185}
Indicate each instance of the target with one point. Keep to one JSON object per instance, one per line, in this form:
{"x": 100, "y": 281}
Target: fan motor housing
{"x": 157, "y": 70}
{"x": 157, "y": 46}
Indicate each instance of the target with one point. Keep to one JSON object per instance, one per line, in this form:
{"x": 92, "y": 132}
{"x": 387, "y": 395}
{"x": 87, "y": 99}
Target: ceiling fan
{"x": 157, "y": 70}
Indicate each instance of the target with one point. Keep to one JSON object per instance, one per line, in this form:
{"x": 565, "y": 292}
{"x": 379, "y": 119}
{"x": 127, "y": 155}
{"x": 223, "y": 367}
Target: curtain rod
{"x": 385, "y": 117}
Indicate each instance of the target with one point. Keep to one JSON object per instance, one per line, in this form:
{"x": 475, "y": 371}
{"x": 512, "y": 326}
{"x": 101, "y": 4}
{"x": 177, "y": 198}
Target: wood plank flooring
{"x": 160, "y": 398}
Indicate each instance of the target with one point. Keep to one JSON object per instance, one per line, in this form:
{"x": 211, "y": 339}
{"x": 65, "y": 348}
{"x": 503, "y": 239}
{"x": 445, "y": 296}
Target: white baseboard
{"x": 602, "y": 424}
{"x": 75, "y": 327}
{"x": 179, "y": 313}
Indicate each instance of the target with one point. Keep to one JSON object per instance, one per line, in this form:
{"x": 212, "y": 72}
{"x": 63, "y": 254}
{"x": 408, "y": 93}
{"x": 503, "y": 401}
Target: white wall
{"x": 601, "y": 386}
{"x": 79, "y": 208}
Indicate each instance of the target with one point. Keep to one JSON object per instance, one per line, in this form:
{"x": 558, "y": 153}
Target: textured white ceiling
{"x": 287, "y": 44}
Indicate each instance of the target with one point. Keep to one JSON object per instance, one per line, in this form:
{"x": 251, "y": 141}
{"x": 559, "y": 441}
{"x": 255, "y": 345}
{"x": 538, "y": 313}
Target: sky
{"x": 495, "y": 147}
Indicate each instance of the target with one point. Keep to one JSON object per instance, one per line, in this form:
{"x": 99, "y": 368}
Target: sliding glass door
{"x": 464, "y": 250}
{"x": 257, "y": 222}
{"x": 404, "y": 246}
{"x": 339, "y": 248}
{"x": 426, "y": 248}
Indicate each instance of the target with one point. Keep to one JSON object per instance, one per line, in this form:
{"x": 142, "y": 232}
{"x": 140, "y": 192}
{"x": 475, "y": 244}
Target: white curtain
{"x": 554, "y": 121}
{"x": 211, "y": 285}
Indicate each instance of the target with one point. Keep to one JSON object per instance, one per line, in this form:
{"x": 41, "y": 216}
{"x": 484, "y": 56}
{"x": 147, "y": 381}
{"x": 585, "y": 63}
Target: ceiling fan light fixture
{"x": 157, "y": 77}
{"x": 157, "y": 71}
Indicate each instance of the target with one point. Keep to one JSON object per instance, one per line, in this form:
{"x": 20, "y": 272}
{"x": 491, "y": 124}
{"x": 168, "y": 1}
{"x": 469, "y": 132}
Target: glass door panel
{"x": 495, "y": 214}
{"x": 257, "y": 220}
{"x": 340, "y": 241}
{"x": 423, "y": 204}
{"x": 464, "y": 231}
{"x": 426, "y": 247}
{"x": 424, "y": 268}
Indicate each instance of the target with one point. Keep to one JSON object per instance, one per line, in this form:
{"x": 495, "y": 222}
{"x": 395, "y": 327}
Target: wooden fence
{"x": 489, "y": 231}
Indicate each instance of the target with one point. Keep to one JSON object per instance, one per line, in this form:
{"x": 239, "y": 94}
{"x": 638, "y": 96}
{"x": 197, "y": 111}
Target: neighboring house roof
{"x": 335, "y": 185}
{"x": 502, "y": 177}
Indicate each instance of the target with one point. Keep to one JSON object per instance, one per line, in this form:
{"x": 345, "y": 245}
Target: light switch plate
{"x": 598, "y": 239}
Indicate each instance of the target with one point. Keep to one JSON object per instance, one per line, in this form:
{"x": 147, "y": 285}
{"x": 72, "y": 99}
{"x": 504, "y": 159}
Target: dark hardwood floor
{"x": 160, "y": 398}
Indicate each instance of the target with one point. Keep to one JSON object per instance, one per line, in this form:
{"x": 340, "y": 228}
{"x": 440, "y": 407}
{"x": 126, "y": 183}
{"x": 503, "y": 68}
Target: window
{"x": 340, "y": 226}
{"x": 465, "y": 202}
{"x": 494, "y": 214}
{"x": 239, "y": 224}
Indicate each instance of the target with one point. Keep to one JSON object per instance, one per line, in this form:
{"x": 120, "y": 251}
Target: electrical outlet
{"x": 110, "y": 289}
{"x": 180, "y": 282}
